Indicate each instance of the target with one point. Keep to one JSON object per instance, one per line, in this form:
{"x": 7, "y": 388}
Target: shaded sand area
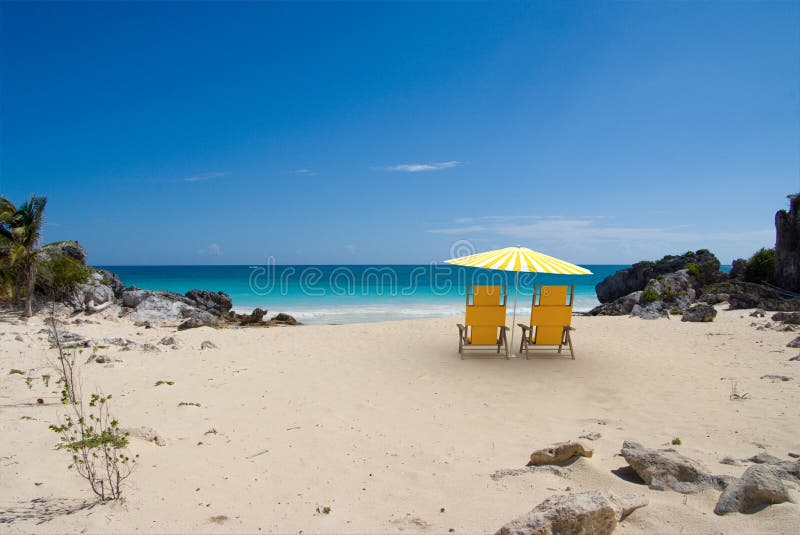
{"x": 386, "y": 426}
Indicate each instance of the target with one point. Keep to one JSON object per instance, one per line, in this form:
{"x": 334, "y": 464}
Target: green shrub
{"x": 761, "y": 266}
{"x": 649, "y": 295}
{"x": 58, "y": 275}
{"x": 676, "y": 441}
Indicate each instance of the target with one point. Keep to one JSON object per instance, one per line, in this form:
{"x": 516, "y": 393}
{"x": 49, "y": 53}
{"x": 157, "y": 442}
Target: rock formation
{"x": 579, "y": 513}
{"x": 667, "y": 469}
{"x": 702, "y": 263}
{"x": 761, "y": 485}
{"x": 787, "y": 246}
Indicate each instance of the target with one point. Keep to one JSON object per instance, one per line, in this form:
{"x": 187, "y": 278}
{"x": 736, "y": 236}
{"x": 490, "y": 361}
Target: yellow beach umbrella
{"x": 518, "y": 259}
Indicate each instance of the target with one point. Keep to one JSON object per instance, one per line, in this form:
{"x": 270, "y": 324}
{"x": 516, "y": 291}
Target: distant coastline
{"x": 353, "y": 293}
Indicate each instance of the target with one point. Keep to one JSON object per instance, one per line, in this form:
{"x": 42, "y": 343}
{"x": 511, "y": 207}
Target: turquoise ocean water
{"x": 354, "y": 294}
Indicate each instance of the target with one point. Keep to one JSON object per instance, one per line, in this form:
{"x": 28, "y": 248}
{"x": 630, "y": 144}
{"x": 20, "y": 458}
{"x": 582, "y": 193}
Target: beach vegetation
{"x": 15, "y": 371}
{"x": 162, "y": 382}
{"x": 650, "y": 295}
{"x": 20, "y": 230}
{"x": 188, "y": 404}
{"x": 676, "y": 441}
{"x": 735, "y": 394}
{"x": 89, "y": 433}
{"x": 58, "y": 275}
{"x": 760, "y": 267}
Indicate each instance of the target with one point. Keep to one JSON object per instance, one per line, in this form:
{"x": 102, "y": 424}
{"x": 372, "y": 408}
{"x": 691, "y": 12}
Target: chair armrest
{"x": 506, "y": 328}
{"x": 524, "y": 327}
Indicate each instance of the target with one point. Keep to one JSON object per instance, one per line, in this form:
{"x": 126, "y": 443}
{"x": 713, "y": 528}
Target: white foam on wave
{"x": 391, "y": 311}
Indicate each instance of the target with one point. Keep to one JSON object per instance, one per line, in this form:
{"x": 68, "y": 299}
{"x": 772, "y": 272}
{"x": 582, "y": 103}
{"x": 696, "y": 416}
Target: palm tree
{"x": 21, "y": 229}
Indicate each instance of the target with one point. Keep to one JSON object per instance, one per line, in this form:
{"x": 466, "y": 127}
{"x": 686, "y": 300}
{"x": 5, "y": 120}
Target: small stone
{"x": 730, "y": 460}
{"x": 795, "y": 358}
{"x": 776, "y": 377}
{"x": 103, "y": 359}
{"x": 758, "y": 313}
{"x": 794, "y": 343}
{"x": 169, "y": 341}
{"x": 591, "y": 436}
{"x": 150, "y": 348}
{"x": 206, "y": 344}
{"x": 559, "y": 453}
{"x": 19, "y": 338}
{"x": 763, "y": 458}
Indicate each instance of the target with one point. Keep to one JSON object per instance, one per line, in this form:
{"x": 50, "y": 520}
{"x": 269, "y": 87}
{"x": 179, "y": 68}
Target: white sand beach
{"x": 384, "y": 424}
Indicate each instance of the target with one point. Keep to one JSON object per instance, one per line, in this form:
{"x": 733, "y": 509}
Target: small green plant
{"x": 676, "y": 311}
{"x": 46, "y": 380}
{"x": 97, "y": 446}
{"x": 676, "y": 441}
{"x": 324, "y": 510}
{"x": 15, "y": 371}
{"x": 29, "y": 382}
{"x": 162, "y": 382}
{"x": 735, "y": 394}
{"x": 693, "y": 269}
{"x": 649, "y": 295}
{"x": 188, "y": 404}
{"x": 88, "y": 432}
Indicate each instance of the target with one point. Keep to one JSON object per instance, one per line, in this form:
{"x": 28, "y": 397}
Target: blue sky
{"x": 202, "y": 133}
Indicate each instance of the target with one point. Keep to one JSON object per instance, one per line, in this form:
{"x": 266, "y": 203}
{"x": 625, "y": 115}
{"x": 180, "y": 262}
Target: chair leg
{"x": 569, "y": 341}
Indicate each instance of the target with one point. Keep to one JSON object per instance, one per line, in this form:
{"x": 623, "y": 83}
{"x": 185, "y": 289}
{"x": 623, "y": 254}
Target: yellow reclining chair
{"x": 485, "y": 323}
{"x": 551, "y": 320}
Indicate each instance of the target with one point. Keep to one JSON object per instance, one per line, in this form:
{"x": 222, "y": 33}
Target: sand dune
{"x": 383, "y": 424}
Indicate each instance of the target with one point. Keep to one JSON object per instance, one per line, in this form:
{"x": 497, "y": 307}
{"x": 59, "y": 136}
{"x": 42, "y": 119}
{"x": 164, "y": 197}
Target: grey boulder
{"x": 663, "y": 469}
{"x": 581, "y": 513}
{"x": 761, "y": 485}
{"x": 700, "y": 313}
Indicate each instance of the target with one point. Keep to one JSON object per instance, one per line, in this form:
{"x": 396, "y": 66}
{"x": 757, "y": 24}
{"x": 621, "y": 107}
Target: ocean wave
{"x": 390, "y": 312}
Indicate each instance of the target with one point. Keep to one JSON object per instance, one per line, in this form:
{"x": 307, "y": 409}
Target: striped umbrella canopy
{"x": 518, "y": 259}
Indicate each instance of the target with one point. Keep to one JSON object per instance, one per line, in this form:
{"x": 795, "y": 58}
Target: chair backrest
{"x": 486, "y": 313}
{"x": 551, "y": 314}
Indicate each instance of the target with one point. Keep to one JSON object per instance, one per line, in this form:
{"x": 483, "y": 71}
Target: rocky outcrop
{"x": 700, "y": 313}
{"x": 283, "y": 319}
{"x": 791, "y": 318}
{"x": 738, "y": 268}
{"x": 579, "y": 513}
{"x": 619, "y": 307}
{"x": 198, "y": 308}
{"x": 667, "y": 469}
{"x": 559, "y": 453}
{"x": 702, "y": 263}
{"x": 750, "y": 295}
{"x": 70, "y": 249}
{"x": 761, "y": 485}
{"x": 217, "y": 303}
{"x": 787, "y": 246}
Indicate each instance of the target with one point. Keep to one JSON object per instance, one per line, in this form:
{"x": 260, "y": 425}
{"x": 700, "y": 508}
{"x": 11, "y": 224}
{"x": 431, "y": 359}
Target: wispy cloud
{"x": 213, "y": 249}
{"x": 304, "y": 172}
{"x": 598, "y": 237}
{"x": 417, "y": 167}
{"x": 206, "y": 176}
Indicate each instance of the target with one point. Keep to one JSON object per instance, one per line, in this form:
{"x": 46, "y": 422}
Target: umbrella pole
{"x": 514, "y": 315}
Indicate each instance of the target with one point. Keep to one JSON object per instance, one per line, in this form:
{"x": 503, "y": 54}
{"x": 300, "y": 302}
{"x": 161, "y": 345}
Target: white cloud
{"x": 417, "y": 167}
{"x": 206, "y": 176}
{"x": 304, "y": 172}
{"x": 212, "y": 250}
